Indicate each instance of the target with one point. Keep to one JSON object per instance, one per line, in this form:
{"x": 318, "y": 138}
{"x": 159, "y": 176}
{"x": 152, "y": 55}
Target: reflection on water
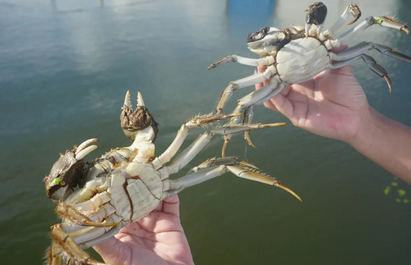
{"x": 67, "y": 64}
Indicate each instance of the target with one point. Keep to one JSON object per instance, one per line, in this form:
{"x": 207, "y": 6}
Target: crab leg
{"x": 316, "y": 15}
{"x": 209, "y": 171}
{"x": 243, "y": 60}
{"x": 350, "y": 11}
{"x": 230, "y": 160}
{"x": 252, "y": 99}
{"x": 280, "y": 87}
{"x": 205, "y": 171}
{"x": 366, "y": 46}
{"x": 258, "y": 95}
{"x": 383, "y": 21}
{"x": 254, "y": 79}
{"x": 177, "y": 185}
{"x": 67, "y": 245}
{"x": 249, "y": 114}
{"x": 70, "y": 213}
{"x": 347, "y": 56}
{"x": 248, "y": 119}
{"x": 228, "y": 130}
{"x": 83, "y": 234}
{"x": 259, "y": 177}
{"x": 198, "y": 121}
{"x": 370, "y": 62}
{"x": 112, "y": 232}
{"x": 189, "y": 153}
{"x": 244, "y": 82}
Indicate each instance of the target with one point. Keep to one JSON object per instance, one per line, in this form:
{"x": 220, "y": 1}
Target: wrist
{"x": 369, "y": 125}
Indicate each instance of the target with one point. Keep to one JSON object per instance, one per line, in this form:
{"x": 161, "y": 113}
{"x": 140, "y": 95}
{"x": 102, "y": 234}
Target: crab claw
{"x": 67, "y": 171}
{"x": 140, "y": 101}
{"x": 127, "y": 100}
{"x": 316, "y": 14}
{"x": 83, "y": 149}
{"x": 133, "y": 122}
{"x": 307, "y": 29}
{"x": 355, "y": 11}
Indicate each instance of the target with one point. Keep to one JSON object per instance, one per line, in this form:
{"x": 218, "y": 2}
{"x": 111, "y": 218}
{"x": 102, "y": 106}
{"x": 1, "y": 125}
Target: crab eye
{"x": 57, "y": 181}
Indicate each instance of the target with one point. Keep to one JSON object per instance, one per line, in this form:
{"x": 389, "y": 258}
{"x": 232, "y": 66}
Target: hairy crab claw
{"x": 67, "y": 171}
{"x": 138, "y": 121}
{"x": 316, "y": 14}
{"x": 354, "y": 11}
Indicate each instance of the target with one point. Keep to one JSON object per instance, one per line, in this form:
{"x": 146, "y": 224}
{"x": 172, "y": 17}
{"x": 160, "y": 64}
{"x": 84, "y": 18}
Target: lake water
{"x": 65, "y": 67}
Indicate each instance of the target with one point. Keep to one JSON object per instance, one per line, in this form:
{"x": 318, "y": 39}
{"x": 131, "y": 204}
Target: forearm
{"x": 386, "y": 142}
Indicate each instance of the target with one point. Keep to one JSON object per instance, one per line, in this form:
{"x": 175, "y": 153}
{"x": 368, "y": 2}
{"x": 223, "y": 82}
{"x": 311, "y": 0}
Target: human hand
{"x": 157, "y": 238}
{"x": 332, "y": 104}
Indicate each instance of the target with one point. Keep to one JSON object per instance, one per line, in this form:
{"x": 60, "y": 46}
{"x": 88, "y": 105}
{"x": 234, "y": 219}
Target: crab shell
{"x": 301, "y": 59}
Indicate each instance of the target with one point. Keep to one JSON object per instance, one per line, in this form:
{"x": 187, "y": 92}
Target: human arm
{"x": 333, "y": 105}
{"x": 386, "y": 142}
{"x": 157, "y": 238}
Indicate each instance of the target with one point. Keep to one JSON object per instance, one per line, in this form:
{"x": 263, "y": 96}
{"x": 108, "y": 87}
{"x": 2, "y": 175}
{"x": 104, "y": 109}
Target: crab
{"x": 95, "y": 200}
{"x": 297, "y": 54}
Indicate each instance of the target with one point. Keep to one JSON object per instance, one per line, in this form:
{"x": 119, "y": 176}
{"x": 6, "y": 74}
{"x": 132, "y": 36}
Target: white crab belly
{"x": 301, "y": 59}
{"x": 135, "y": 191}
{"x": 128, "y": 193}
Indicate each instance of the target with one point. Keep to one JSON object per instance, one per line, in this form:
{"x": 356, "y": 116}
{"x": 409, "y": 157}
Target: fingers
{"x": 109, "y": 250}
{"x": 346, "y": 70}
{"x": 171, "y": 205}
{"x": 281, "y": 103}
{"x": 339, "y": 49}
{"x": 261, "y": 69}
{"x": 333, "y": 76}
{"x": 269, "y": 105}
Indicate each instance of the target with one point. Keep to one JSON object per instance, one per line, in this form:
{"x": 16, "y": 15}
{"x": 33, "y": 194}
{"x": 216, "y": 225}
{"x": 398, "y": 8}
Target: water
{"x": 66, "y": 65}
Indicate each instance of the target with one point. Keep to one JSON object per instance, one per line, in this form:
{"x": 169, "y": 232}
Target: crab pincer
{"x": 67, "y": 171}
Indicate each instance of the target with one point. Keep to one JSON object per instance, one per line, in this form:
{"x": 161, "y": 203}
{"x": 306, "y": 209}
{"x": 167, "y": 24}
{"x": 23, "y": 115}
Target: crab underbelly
{"x": 135, "y": 191}
{"x": 302, "y": 59}
{"x": 130, "y": 192}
